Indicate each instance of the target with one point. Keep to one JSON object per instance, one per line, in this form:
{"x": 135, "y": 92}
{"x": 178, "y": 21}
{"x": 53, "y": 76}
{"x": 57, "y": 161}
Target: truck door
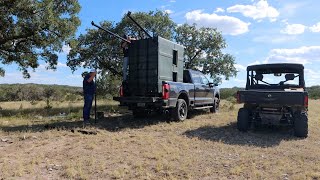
{"x": 207, "y": 92}
{"x": 199, "y": 89}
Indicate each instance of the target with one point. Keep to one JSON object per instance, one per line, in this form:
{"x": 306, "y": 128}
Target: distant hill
{"x": 36, "y": 92}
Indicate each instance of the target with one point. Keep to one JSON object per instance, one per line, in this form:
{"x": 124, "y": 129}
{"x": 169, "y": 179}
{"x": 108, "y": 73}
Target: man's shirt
{"x": 88, "y": 87}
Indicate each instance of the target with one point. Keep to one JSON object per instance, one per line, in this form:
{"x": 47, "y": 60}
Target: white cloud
{"x": 62, "y": 65}
{"x": 240, "y": 67}
{"x": 315, "y": 28}
{"x": 254, "y": 63}
{"x": 226, "y": 24}
{"x": 240, "y": 81}
{"x": 312, "y": 77}
{"x": 285, "y": 59}
{"x": 66, "y": 49}
{"x": 218, "y": 10}
{"x": 290, "y": 8}
{"x": 168, "y": 11}
{"x": 258, "y": 11}
{"x": 75, "y": 76}
{"x": 312, "y": 74}
{"x": 303, "y": 55}
{"x": 294, "y": 29}
{"x": 42, "y": 76}
{"x": 16, "y": 77}
{"x": 274, "y": 39}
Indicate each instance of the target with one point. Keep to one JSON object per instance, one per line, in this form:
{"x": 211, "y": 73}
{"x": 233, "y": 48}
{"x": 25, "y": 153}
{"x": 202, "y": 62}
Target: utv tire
{"x": 216, "y": 104}
{"x": 301, "y": 125}
{"x": 180, "y": 112}
{"x": 243, "y": 122}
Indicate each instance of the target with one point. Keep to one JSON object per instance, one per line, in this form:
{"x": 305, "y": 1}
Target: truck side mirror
{"x": 213, "y": 84}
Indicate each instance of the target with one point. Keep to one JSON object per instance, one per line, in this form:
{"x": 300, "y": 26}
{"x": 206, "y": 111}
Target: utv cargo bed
{"x": 292, "y": 98}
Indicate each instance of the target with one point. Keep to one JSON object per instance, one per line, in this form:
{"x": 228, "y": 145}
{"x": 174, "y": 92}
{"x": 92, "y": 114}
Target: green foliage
{"x": 98, "y": 49}
{"x": 35, "y": 30}
{"x": 48, "y": 93}
{"x": 108, "y": 83}
{"x": 204, "y": 51}
{"x": 314, "y": 92}
{"x": 229, "y": 93}
{"x": 156, "y": 23}
{"x": 204, "y": 46}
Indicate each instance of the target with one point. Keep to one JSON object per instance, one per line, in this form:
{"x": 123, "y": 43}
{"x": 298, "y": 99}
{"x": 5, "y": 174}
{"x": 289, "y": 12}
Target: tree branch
{"x": 191, "y": 59}
{"x": 20, "y": 36}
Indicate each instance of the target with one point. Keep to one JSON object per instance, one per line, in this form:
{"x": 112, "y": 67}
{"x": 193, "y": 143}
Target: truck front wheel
{"x": 243, "y": 120}
{"x": 180, "y": 112}
{"x": 215, "y": 107}
{"x": 301, "y": 124}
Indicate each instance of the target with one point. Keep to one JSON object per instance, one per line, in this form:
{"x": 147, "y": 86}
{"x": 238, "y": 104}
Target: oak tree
{"x": 204, "y": 46}
{"x": 35, "y": 30}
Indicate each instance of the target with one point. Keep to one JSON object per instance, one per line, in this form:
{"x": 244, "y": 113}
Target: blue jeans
{"x": 125, "y": 68}
{"x": 88, "y": 98}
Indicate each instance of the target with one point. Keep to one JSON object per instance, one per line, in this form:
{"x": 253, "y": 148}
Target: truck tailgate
{"x": 272, "y": 97}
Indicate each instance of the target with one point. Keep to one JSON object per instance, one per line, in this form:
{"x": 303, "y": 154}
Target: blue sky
{"x": 256, "y": 31}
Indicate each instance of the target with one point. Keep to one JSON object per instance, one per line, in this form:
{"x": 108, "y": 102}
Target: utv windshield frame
{"x": 274, "y": 69}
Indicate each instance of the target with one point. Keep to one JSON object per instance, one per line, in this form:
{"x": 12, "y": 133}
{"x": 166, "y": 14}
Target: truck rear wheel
{"x": 180, "y": 112}
{"x": 243, "y": 121}
{"x": 301, "y": 124}
{"x": 215, "y": 107}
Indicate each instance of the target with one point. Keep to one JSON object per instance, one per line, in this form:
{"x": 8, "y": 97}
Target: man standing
{"x": 88, "y": 92}
{"x": 125, "y": 48}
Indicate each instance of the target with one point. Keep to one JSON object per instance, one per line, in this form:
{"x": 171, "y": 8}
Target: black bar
{"x": 116, "y": 35}
{"x": 95, "y": 100}
{"x": 129, "y": 13}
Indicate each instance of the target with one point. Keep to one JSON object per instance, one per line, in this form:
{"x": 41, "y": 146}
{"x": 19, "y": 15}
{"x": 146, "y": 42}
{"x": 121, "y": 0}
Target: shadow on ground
{"x": 229, "y": 134}
{"x": 29, "y": 112}
{"x": 114, "y": 123}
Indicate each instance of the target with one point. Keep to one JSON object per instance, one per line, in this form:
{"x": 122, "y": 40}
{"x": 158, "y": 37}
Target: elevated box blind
{"x": 152, "y": 61}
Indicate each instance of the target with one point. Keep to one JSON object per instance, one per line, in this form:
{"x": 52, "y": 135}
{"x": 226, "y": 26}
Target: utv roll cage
{"x": 255, "y": 74}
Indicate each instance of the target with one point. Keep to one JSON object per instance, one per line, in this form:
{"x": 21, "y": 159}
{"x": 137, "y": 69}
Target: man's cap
{"x": 84, "y": 74}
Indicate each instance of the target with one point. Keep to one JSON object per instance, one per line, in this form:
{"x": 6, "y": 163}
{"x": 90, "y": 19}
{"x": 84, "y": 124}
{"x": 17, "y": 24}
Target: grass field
{"x": 208, "y": 146}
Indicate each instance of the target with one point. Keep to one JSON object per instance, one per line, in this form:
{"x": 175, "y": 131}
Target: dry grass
{"x": 16, "y": 105}
{"x": 38, "y": 110}
{"x": 208, "y": 146}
